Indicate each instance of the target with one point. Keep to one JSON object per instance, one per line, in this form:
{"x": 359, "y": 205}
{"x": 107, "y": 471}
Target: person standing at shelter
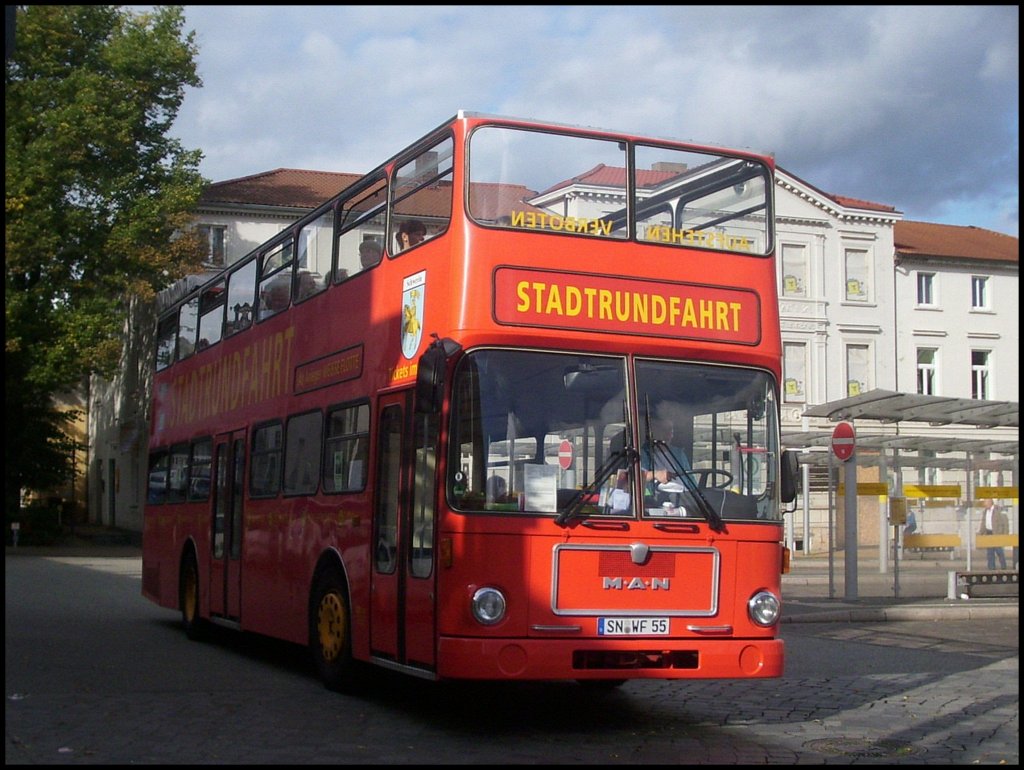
{"x": 994, "y": 522}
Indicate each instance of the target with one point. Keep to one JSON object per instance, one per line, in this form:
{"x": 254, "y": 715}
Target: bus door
{"x": 402, "y": 618}
{"x": 226, "y": 534}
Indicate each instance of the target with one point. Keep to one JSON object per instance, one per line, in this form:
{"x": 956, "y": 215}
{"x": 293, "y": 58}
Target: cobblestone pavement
{"x": 97, "y": 675}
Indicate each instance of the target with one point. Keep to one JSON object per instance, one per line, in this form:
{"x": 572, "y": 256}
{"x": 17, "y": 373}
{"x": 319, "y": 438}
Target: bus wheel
{"x": 188, "y": 593}
{"x": 330, "y": 633}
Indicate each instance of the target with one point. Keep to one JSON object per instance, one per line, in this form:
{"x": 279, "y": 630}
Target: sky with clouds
{"x": 913, "y": 107}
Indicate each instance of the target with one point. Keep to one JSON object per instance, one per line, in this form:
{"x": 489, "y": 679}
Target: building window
{"x": 979, "y": 292}
{"x": 794, "y": 373}
{"x": 857, "y": 275}
{"x": 214, "y": 237}
{"x": 926, "y": 367}
{"x": 794, "y": 271}
{"x": 979, "y": 374}
{"x": 858, "y": 369}
{"x": 926, "y": 289}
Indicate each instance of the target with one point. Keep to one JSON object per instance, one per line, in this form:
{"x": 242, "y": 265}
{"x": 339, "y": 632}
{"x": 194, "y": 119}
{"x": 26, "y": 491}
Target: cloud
{"x": 915, "y": 107}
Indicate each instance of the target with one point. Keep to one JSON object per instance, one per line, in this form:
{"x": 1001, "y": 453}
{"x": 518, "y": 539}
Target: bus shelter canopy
{"x": 888, "y": 407}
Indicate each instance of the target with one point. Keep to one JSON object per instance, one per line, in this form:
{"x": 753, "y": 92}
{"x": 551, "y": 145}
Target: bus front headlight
{"x": 488, "y": 606}
{"x": 764, "y": 608}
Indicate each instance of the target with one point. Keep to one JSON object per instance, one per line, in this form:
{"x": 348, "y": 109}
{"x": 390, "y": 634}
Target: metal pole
{"x": 969, "y": 540}
{"x": 850, "y": 526}
{"x": 883, "y": 514}
{"x": 831, "y": 519}
{"x": 805, "y": 470}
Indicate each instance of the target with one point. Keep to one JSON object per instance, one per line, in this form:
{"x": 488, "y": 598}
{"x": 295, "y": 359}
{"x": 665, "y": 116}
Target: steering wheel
{"x": 704, "y": 474}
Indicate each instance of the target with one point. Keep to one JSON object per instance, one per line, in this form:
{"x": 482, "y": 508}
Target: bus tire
{"x": 330, "y": 632}
{"x": 188, "y": 598}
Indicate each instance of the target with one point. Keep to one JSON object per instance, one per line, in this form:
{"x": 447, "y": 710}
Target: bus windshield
{"x": 554, "y": 433}
{"x": 578, "y": 185}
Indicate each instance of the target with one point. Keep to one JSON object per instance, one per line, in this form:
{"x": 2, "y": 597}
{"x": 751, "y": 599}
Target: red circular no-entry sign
{"x": 843, "y": 441}
{"x": 565, "y": 454}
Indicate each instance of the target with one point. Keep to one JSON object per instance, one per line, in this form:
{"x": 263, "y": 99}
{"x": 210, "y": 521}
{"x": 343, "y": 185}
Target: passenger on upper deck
{"x": 370, "y": 252}
{"x": 410, "y": 233}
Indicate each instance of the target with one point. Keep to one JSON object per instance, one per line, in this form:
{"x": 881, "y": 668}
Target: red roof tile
{"x": 281, "y": 187}
{"x": 925, "y": 239}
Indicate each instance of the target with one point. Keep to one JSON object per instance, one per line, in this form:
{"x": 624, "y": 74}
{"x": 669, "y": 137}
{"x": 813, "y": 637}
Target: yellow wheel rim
{"x": 191, "y": 598}
{"x": 330, "y": 623}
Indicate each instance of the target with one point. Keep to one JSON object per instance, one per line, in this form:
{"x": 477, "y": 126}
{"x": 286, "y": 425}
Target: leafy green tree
{"x": 97, "y": 194}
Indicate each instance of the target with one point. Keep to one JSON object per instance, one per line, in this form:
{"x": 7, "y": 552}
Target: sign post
{"x": 844, "y": 446}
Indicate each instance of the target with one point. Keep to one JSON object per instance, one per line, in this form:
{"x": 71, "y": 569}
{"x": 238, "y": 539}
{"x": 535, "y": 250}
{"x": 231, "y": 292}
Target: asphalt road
{"x": 95, "y": 674}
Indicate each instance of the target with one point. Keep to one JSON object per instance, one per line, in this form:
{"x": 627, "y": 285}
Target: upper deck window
{"x": 166, "y": 334}
{"x": 701, "y": 200}
{"x": 421, "y": 197}
{"x": 576, "y": 185}
{"x": 241, "y": 297}
{"x": 550, "y": 183}
{"x": 276, "y": 279}
{"x": 361, "y": 220}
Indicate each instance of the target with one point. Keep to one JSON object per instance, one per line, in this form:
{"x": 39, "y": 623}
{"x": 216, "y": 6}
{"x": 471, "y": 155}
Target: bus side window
{"x": 241, "y": 297}
{"x": 188, "y": 321}
{"x": 177, "y": 485}
{"x": 346, "y": 449}
{"x": 265, "y": 459}
{"x": 211, "y": 315}
{"x": 159, "y": 464}
{"x": 313, "y": 260}
{"x": 166, "y": 333}
{"x": 302, "y": 453}
{"x": 360, "y": 218}
{"x": 199, "y": 470}
{"x": 276, "y": 279}
{"x": 422, "y": 184}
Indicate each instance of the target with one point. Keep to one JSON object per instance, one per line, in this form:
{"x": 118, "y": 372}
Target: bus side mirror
{"x": 790, "y": 476}
{"x": 430, "y": 374}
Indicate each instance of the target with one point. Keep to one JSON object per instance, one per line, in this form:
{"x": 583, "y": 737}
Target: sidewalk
{"x": 922, "y": 590}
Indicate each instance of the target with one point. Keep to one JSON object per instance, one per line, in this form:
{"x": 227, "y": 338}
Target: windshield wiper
{"x": 714, "y": 519}
{"x": 620, "y": 458}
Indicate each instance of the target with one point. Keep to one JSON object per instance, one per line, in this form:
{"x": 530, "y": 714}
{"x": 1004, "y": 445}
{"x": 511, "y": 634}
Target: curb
{"x": 960, "y": 611}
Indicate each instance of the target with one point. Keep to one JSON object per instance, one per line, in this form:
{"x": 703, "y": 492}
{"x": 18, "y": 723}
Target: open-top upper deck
{"x": 491, "y": 230}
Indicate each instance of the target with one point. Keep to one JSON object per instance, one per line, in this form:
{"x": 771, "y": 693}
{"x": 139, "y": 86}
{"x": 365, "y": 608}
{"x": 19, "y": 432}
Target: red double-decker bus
{"x": 505, "y": 408}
